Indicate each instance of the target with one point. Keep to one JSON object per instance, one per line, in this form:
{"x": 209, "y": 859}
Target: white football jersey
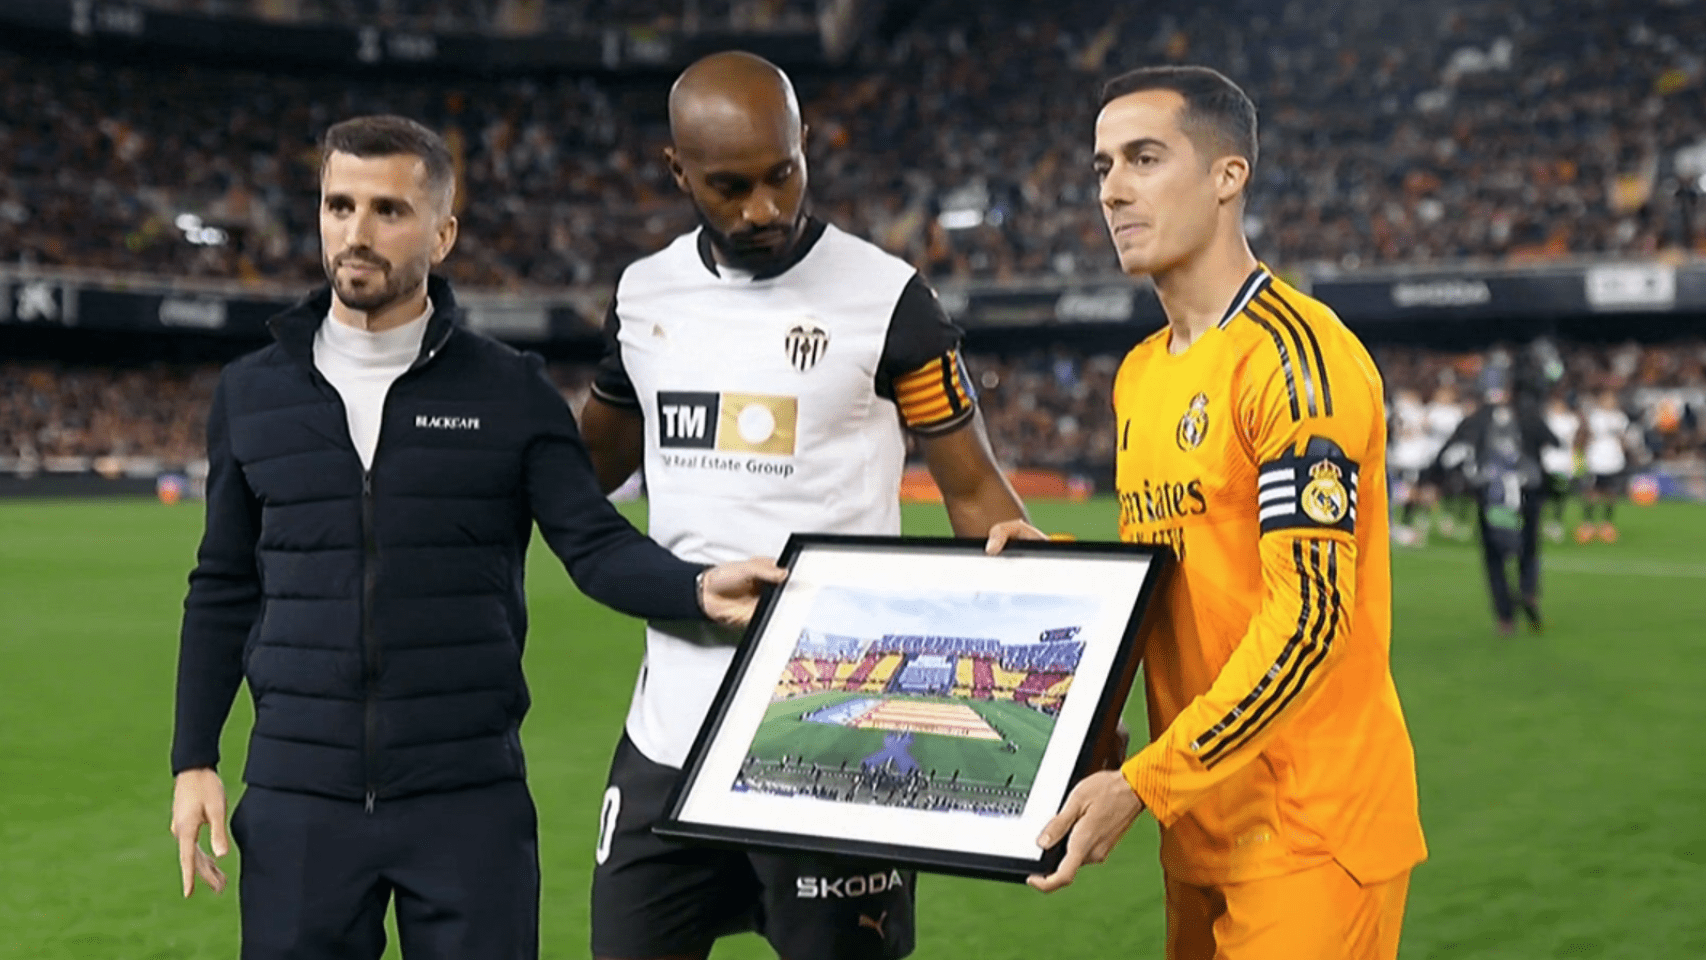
{"x": 1410, "y": 448}
{"x": 1561, "y": 459}
{"x": 770, "y": 406}
{"x": 1442, "y": 420}
{"x": 1605, "y": 454}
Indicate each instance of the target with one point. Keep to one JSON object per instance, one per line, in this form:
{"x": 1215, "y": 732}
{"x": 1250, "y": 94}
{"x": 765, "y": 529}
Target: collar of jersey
{"x": 1252, "y": 285}
{"x": 808, "y": 239}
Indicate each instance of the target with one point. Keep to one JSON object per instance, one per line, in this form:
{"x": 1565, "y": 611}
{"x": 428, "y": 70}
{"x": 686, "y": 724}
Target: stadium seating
{"x": 881, "y": 673}
{"x": 1043, "y": 690}
{"x": 509, "y": 17}
{"x": 915, "y": 143}
{"x": 983, "y": 679}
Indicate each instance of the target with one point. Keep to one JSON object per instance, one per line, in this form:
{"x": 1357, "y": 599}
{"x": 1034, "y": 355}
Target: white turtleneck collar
{"x": 362, "y": 366}
{"x": 370, "y": 349}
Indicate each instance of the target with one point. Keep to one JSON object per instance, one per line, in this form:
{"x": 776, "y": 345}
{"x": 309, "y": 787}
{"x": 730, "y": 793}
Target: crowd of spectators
{"x": 76, "y": 419}
{"x": 1050, "y": 409}
{"x": 515, "y": 16}
{"x": 1045, "y": 409}
{"x": 1392, "y": 133}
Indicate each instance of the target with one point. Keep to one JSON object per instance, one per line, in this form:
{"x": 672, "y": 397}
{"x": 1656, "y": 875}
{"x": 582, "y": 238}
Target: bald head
{"x": 733, "y": 102}
{"x": 738, "y": 150}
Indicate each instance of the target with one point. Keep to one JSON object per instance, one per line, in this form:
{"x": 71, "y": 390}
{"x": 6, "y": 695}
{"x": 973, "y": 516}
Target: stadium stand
{"x": 1394, "y": 133}
{"x": 983, "y": 679}
{"x": 118, "y": 422}
{"x": 943, "y": 646}
{"x": 925, "y": 673}
{"x": 882, "y": 673}
{"x": 1060, "y": 657}
{"x": 1037, "y": 675}
{"x": 512, "y": 16}
{"x": 1597, "y": 152}
{"x": 1043, "y": 691}
{"x": 1584, "y": 160}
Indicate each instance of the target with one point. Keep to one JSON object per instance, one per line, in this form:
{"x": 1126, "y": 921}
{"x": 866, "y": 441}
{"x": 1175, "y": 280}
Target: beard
{"x": 372, "y": 292}
{"x": 754, "y": 250}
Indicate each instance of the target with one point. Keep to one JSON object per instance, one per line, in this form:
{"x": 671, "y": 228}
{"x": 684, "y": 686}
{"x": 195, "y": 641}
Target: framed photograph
{"x": 918, "y": 701}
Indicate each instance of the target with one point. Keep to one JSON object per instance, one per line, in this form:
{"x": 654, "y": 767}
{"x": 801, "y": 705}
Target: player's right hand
{"x": 1007, "y": 531}
{"x": 198, "y": 797}
{"x": 1097, "y": 813}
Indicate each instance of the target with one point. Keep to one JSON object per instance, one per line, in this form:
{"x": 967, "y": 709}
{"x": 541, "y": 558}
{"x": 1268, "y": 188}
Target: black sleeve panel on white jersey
{"x": 921, "y": 370}
{"x": 920, "y": 331}
{"x": 611, "y": 383}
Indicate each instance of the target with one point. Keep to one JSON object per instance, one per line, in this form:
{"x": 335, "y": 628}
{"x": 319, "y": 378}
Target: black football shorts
{"x": 653, "y": 897}
{"x": 1611, "y": 483}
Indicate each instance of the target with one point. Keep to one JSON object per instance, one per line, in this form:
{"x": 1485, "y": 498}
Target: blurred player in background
{"x": 1411, "y": 455}
{"x": 1561, "y": 461}
{"x": 1606, "y": 456}
{"x": 1279, "y": 765}
{"x": 766, "y": 370}
{"x": 1445, "y": 483}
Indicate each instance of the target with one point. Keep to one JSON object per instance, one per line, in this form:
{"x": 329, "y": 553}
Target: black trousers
{"x": 318, "y": 874}
{"x": 1496, "y": 554}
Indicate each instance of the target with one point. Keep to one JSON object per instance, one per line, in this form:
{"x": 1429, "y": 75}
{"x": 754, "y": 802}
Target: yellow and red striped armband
{"x": 936, "y": 397}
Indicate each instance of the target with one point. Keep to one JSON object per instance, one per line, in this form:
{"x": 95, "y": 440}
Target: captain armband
{"x": 937, "y": 397}
{"x": 1316, "y": 490}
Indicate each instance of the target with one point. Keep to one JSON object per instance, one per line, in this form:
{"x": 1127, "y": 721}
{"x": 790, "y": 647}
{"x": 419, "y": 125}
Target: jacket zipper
{"x": 371, "y": 660}
{"x": 369, "y": 639}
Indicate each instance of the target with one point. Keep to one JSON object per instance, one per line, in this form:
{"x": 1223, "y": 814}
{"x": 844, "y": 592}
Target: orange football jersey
{"x": 1259, "y": 456}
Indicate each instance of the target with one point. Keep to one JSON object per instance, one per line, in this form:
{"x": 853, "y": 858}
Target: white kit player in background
{"x": 1560, "y": 461}
{"x": 766, "y": 370}
{"x": 1443, "y": 415}
{"x": 1410, "y": 454}
{"x": 1606, "y": 456}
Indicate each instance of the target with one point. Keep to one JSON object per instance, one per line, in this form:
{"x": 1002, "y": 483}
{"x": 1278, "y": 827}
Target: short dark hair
{"x": 386, "y": 136}
{"x": 1217, "y": 113}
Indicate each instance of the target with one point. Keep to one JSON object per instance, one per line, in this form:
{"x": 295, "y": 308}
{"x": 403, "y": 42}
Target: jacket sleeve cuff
{"x": 194, "y": 758}
{"x": 684, "y": 600}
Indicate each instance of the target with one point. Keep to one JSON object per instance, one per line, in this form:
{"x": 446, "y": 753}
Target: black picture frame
{"x": 887, "y": 808}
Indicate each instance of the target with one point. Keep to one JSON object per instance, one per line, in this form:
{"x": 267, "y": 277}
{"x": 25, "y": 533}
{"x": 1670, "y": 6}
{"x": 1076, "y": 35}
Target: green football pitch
{"x": 1563, "y": 777}
{"x": 785, "y": 733}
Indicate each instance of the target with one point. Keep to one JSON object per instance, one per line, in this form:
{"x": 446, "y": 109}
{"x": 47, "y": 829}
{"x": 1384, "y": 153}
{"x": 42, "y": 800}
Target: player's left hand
{"x": 728, "y": 592}
{"x": 1097, "y": 814}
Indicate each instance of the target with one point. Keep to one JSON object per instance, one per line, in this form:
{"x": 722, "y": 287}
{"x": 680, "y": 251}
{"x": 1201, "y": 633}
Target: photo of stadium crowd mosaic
{"x": 945, "y": 720}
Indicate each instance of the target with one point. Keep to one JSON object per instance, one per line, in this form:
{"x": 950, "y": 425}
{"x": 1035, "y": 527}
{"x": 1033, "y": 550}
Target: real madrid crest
{"x": 806, "y": 344}
{"x": 1324, "y": 500}
{"x": 1193, "y": 426}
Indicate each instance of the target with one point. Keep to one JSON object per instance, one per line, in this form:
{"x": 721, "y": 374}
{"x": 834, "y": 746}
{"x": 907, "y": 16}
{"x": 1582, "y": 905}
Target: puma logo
{"x": 876, "y": 924}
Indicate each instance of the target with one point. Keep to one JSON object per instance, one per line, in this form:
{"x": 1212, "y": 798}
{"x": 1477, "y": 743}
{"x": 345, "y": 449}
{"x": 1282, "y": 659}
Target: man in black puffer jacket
{"x": 374, "y": 478}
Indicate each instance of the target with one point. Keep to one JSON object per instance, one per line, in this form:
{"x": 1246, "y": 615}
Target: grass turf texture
{"x": 1563, "y": 777}
{"x": 977, "y": 761}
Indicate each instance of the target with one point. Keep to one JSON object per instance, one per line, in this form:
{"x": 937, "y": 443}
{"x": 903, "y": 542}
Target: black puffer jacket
{"x": 378, "y": 615}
